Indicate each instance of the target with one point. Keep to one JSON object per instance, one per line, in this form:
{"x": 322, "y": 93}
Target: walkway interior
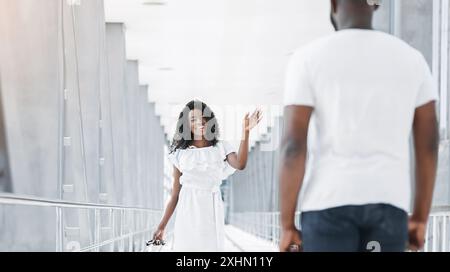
{"x": 91, "y": 91}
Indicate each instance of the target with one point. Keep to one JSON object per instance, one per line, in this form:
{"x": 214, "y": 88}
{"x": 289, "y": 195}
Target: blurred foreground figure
{"x": 364, "y": 92}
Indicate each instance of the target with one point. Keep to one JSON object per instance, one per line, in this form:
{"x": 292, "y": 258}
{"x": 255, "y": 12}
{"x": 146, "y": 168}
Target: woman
{"x": 201, "y": 162}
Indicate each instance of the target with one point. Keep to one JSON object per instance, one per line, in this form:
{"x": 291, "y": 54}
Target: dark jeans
{"x": 368, "y": 228}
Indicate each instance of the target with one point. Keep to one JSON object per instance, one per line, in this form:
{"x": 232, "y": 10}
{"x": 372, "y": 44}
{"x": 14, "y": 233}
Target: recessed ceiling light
{"x": 290, "y": 53}
{"x": 165, "y": 69}
{"x": 154, "y": 2}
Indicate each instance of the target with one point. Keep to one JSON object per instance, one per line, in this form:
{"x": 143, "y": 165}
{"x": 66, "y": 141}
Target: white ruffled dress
{"x": 199, "y": 221}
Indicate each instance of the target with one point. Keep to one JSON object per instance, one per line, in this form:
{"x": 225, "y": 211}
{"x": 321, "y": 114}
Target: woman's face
{"x": 197, "y": 123}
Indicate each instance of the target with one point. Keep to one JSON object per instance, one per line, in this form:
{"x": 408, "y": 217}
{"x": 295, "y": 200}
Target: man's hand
{"x": 416, "y": 232}
{"x": 290, "y": 238}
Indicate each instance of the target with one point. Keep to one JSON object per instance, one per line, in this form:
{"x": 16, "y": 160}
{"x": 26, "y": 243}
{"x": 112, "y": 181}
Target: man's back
{"x": 364, "y": 87}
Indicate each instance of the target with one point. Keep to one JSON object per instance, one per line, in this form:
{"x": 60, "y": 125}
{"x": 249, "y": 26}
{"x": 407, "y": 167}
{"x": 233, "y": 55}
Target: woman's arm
{"x": 239, "y": 161}
{"x": 170, "y": 206}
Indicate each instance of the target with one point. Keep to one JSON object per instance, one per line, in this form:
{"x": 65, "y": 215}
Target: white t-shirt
{"x": 364, "y": 86}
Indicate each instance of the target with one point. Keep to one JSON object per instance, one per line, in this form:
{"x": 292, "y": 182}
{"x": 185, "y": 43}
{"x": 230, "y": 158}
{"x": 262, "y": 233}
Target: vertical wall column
{"x": 143, "y": 145}
{"x": 30, "y": 95}
{"x": 5, "y": 175}
{"x": 152, "y": 158}
{"x": 131, "y": 114}
{"x": 116, "y": 57}
{"x": 107, "y": 149}
{"x": 160, "y": 141}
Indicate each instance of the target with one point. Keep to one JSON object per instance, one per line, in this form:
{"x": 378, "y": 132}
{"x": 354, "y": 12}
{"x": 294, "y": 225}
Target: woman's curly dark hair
{"x": 183, "y": 137}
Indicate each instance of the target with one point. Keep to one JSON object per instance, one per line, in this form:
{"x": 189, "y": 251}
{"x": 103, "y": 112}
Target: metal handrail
{"x": 440, "y": 209}
{"x": 12, "y": 199}
{"x": 110, "y": 241}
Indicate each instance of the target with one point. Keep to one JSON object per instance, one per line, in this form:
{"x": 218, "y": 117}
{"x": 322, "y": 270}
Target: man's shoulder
{"x": 326, "y": 43}
{"x": 405, "y": 51}
{"x": 403, "y": 45}
{"x": 314, "y": 46}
